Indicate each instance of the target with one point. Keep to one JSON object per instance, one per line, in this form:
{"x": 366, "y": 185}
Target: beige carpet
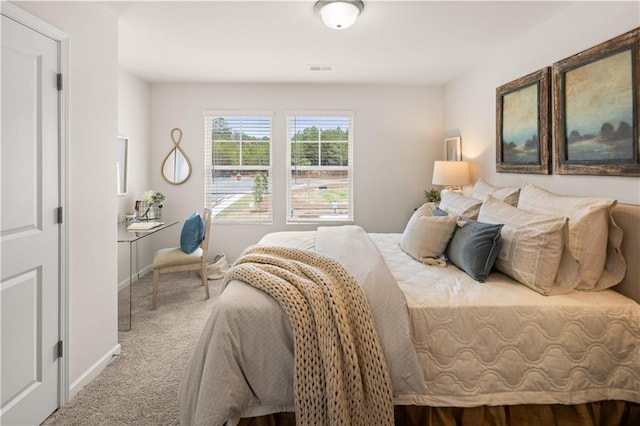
{"x": 140, "y": 386}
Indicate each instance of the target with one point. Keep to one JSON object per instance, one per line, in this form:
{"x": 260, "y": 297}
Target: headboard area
{"x": 627, "y": 216}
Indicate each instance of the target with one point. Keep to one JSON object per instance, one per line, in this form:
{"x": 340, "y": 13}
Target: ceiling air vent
{"x": 320, "y": 67}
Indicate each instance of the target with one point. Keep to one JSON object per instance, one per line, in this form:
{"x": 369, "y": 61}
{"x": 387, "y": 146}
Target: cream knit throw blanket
{"x": 340, "y": 374}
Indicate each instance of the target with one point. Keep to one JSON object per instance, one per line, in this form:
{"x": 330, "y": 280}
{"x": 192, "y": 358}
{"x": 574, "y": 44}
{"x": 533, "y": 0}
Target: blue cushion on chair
{"x": 474, "y": 248}
{"x": 192, "y": 233}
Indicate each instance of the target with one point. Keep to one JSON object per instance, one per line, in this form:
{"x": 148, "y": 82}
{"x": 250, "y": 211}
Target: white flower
{"x": 154, "y": 197}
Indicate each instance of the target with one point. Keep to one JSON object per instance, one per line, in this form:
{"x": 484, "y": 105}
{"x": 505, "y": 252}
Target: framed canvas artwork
{"x": 523, "y": 118}
{"x": 595, "y": 107}
{"x": 452, "y": 149}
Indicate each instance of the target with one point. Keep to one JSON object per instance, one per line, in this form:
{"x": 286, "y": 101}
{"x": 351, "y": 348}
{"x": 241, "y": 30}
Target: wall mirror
{"x": 122, "y": 158}
{"x": 176, "y": 167}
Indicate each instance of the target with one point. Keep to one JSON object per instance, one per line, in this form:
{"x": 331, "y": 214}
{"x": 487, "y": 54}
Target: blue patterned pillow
{"x": 474, "y": 248}
{"x": 192, "y": 233}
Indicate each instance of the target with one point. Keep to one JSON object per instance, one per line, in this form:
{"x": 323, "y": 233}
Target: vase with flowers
{"x": 151, "y": 205}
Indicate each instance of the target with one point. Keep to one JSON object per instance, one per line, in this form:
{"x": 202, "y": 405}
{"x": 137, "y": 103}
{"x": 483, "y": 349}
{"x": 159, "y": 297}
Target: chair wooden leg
{"x": 156, "y": 279}
{"x": 205, "y": 280}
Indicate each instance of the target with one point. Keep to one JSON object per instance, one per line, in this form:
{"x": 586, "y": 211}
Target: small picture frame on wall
{"x": 122, "y": 159}
{"x": 595, "y": 106}
{"x": 452, "y": 149}
{"x": 523, "y": 124}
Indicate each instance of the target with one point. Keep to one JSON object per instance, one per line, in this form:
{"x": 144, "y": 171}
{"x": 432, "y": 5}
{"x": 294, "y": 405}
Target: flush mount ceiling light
{"x": 338, "y": 14}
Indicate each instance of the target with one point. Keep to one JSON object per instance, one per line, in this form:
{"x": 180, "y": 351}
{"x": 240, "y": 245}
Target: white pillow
{"x": 455, "y": 203}
{"x": 508, "y": 195}
{"x": 427, "y": 236}
{"x": 589, "y": 222}
{"x": 532, "y": 246}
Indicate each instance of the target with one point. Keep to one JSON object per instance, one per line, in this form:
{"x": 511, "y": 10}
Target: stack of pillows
{"x": 550, "y": 243}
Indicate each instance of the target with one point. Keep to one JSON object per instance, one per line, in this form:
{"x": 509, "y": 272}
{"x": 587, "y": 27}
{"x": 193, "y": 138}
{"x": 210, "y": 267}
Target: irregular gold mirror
{"x": 176, "y": 167}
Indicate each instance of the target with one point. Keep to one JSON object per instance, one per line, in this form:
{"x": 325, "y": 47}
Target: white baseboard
{"x": 144, "y": 271}
{"x": 93, "y": 371}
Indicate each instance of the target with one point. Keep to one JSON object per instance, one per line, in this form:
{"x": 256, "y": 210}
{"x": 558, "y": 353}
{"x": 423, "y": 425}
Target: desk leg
{"x": 124, "y": 297}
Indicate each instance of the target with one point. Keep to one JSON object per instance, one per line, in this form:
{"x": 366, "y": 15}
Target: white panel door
{"x": 30, "y": 233}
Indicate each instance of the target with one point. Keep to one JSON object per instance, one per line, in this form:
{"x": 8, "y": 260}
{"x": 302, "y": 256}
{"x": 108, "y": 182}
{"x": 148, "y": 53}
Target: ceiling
{"x": 392, "y": 42}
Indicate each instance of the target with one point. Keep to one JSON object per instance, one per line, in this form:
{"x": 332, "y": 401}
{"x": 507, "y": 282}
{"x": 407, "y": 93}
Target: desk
{"x": 124, "y": 295}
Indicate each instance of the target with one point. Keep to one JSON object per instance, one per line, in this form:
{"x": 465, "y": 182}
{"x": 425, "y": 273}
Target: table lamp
{"x": 451, "y": 174}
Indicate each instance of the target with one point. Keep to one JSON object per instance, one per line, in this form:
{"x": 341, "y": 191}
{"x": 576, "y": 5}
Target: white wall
{"x": 134, "y": 119}
{"x": 470, "y": 100}
{"x": 398, "y": 134}
{"x": 93, "y": 91}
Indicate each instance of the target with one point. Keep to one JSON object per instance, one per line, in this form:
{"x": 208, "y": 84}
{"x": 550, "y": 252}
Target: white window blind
{"x": 320, "y": 162}
{"x": 237, "y": 181}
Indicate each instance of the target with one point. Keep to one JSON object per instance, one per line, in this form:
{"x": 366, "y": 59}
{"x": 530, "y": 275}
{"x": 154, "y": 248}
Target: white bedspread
{"x": 500, "y": 343}
{"x": 242, "y": 365}
{"x": 493, "y": 343}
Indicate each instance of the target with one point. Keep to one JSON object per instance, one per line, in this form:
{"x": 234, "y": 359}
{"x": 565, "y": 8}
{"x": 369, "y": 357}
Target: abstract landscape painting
{"x": 520, "y": 140}
{"x": 599, "y": 110}
{"x": 523, "y": 124}
{"x": 595, "y": 109}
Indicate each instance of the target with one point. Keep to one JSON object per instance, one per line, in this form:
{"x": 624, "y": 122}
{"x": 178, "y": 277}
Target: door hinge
{"x": 59, "y": 214}
{"x": 59, "y": 82}
{"x": 59, "y": 349}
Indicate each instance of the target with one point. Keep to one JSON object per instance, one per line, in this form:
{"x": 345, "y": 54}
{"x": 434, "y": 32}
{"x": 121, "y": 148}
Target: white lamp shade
{"x": 451, "y": 173}
{"x": 339, "y": 14}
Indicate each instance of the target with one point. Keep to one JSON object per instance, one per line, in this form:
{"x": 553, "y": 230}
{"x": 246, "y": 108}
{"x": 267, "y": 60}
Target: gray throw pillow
{"x": 439, "y": 212}
{"x": 474, "y": 248}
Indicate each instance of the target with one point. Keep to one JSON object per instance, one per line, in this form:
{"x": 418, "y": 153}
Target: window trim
{"x": 209, "y": 167}
{"x": 288, "y": 115}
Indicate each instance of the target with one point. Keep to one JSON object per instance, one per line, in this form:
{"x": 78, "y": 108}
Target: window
{"x": 320, "y": 162}
{"x": 238, "y": 167}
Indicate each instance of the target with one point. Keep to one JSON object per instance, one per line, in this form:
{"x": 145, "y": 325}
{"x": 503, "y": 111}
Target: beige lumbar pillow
{"x": 533, "y": 246}
{"x": 426, "y": 236}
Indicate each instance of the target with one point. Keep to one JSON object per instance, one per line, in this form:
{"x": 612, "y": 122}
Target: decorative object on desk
{"x": 596, "y": 97}
{"x": 432, "y": 195}
{"x": 176, "y": 167}
{"x": 452, "y": 149}
{"x": 451, "y": 174}
{"x": 523, "y": 124}
{"x": 143, "y": 226}
{"x": 151, "y": 205}
{"x": 130, "y": 217}
{"x": 147, "y": 211}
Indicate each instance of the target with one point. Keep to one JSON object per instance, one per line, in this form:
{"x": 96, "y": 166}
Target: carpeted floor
{"x": 140, "y": 386}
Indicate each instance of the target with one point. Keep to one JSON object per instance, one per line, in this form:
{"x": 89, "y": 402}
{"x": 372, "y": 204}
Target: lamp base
{"x": 453, "y": 188}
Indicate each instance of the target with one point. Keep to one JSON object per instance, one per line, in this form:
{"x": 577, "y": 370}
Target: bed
{"x": 491, "y": 352}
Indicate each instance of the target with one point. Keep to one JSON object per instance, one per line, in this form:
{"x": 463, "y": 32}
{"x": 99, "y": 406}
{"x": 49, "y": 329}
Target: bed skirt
{"x": 601, "y": 413}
